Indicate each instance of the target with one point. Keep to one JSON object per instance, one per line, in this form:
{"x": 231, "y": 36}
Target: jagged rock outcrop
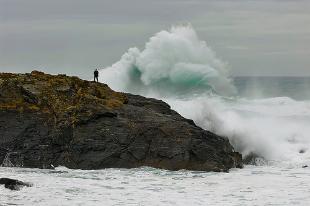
{"x": 48, "y": 120}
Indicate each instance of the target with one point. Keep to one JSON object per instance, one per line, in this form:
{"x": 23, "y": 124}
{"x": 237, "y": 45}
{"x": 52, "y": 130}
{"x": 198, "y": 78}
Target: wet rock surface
{"x": 48, "y": 120}
{"x": 13, "y": 184}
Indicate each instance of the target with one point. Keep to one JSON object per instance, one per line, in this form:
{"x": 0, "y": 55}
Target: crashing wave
{"x": 182, "y": 70}
{"x": 173, "y": 62}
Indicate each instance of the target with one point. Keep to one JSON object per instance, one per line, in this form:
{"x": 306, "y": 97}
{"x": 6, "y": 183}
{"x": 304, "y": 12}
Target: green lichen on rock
{"x": 51, "y": 120}
{"x": 59, "y": 96}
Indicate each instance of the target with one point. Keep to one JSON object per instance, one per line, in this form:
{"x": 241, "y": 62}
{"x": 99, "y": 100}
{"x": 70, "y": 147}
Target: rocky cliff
{"x": 48, "y": 120}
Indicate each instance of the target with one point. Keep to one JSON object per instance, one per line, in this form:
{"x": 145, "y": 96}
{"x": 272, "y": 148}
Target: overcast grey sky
{"x": 255, "y": 37}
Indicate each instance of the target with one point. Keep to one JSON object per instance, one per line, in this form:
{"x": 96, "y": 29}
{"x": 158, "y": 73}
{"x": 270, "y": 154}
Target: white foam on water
{"x": 179, "y": 68}
{"x": 274, "y": 129}
{"x": 259, "y": 185}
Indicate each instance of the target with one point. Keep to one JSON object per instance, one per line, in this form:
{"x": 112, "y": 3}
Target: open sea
{"x": 270, "y": 117}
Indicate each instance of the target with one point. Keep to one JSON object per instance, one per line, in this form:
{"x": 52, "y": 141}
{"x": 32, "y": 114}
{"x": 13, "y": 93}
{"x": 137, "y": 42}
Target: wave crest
{"x": 182, "y": 70}
{"x": 173, "y": 62}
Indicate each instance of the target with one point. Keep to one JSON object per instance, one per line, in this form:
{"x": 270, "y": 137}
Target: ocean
{"x": 265, "y": 116}
{"x": 253, "y": 87}
{"x": 252, "y": 185}
{"x": 274, "y": 181}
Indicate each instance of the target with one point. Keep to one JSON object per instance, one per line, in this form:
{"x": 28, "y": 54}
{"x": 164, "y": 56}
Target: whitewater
{"x": 268, "y": 118}
{"x": 179, "y": 68}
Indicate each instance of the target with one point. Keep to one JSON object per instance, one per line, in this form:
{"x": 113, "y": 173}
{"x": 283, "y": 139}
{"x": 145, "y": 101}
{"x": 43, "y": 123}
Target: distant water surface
{"x": 297, "y": 88}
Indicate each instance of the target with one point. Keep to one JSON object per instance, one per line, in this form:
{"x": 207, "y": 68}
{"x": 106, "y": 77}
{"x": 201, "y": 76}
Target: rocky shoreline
{"x": 51, "y": 120}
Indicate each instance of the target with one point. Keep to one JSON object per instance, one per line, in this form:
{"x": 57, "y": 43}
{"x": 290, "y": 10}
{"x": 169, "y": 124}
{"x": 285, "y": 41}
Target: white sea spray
{"x": 181, "y": 69}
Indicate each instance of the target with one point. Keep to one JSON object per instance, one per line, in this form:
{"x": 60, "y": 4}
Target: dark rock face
{"x": 58, "y": 120}
{"x": 13, "y": 184}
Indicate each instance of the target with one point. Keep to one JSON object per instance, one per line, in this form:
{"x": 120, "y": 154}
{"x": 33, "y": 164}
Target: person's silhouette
{"x": 96, "y": 75}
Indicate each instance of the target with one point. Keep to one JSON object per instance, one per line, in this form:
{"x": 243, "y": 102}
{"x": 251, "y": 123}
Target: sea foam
{"x": 173, "y": 62}
{"x": 179, "y": 68}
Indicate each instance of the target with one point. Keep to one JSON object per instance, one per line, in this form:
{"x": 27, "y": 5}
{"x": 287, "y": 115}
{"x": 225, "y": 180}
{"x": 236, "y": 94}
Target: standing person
{"x": 96, "y": 75}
